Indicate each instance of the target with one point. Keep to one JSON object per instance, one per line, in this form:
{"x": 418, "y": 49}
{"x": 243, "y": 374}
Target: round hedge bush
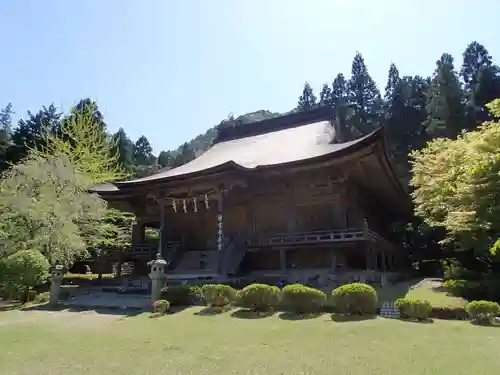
{"x": 302, "y": 299}
{"x": 259, "y": 297}
{"x": 218, "y": 295}
{"x": 355, "y": 299}
{"x": 181, "y": 295}
{"x": 161, "y": 306}
{"x": 414, "y": 308}
{"x": 483, "y": 311}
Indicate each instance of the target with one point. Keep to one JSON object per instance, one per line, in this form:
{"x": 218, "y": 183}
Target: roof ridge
{"x": 288, "y": 121}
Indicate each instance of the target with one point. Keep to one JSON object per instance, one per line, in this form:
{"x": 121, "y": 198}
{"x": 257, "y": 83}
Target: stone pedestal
{"x": 157, "y": 276}
{"x": 56, "y": 277}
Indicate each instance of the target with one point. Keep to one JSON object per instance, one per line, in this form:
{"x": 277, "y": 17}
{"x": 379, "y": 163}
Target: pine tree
{"x": 445, "y": 102}
{"x": 481, "y": 82}
{"x": 364, "y": 97}
{"x": 29, "y": 133}
{"x": 339, "y": 93}
{"x": 124, "y": 147}
{"x": 5, "y": 134}
{"x": 165, "y": 159}
{"x": 325, "y": 96}
{"x": 475, "y": 58}
{"x": 307, "y": 100}
{"x": 143, "y": 152}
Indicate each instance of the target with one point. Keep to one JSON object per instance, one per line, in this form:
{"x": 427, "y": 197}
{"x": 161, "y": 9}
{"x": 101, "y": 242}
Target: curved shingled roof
{"x": 291, "y": 143}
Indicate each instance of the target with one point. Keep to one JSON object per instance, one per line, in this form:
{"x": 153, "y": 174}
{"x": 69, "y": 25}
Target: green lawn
{"x": 38, "y": 342}
{"x": 428, "y": 289}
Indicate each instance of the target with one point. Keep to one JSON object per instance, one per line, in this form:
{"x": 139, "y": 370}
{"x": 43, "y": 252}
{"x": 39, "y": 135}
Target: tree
{"x": 165, "y": 159}
{"x": 29, "y": 133}
{"x": 23, "y": 271}
{"x": 481, "y": 82}
{"x": 81, "y": 138}
{"x": 45, "y": 206}
{"x": 124, "y": 148}
{"x": 404, "y": 109}
{"x": 5, "y": 133}
{"x": 143, "y": 152}
{"x": 475, "y": 58}
{"x": 325, "y": 96}
{"x": 457, "y": 186}
{"x": 364, "y": 98}
{"x": 307, "y": 100}
{"x": 339, "y": 94}
{"x": 89, "y": 149}
{"x": 445, "y": 102}
{"x": 185, "y": 155}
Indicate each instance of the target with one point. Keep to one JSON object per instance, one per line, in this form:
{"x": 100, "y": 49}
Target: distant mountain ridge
{"x": 203, "y": 142}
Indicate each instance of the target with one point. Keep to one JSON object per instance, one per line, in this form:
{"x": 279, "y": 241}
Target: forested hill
{"x": 414, "y": 110}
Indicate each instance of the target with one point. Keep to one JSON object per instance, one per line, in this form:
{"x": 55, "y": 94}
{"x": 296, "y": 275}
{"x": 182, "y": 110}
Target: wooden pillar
{"x": 162, "y": 244}
{"x": 334, "y": 259}
{"x": 137, "y": 234}
{"x": 383, "y": 261}
{"x": 282, "y": 259}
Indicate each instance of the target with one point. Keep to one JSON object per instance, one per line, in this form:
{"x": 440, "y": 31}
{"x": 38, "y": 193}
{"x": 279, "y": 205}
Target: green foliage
{"x": 83, "y": 140}
{"x": 181, "y": 295}
{"x": 414, "y": 308}
{"x": 457, "y": 187}
{"x": 355, "y": 299}
{"x": 302, "y": 299}
{"x": 42, "y": 297}
{"x": 218, "y": 295}
{"x": 364, "y": 97}
{"x": 307, "y": 100}
{"x": 45, "y": 206}
{"x": 22, "y": 271}
{"x": 259, "y": 297}
{"x": 445, "y": 109}
{"x": 482, "y": 311}
{"x": 448, "y": 313}
{"x": 161, "y": 307}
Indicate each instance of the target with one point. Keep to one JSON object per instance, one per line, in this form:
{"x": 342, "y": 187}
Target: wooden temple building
{"x": 277, "y": 198}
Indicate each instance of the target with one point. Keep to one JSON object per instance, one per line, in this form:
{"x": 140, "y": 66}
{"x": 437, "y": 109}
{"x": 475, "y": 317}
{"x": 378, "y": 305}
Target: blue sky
{"x": 171, "y": 69}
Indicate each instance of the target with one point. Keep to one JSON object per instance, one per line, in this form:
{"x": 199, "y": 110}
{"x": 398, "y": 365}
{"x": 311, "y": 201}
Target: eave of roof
{"x": 321, "y": 153}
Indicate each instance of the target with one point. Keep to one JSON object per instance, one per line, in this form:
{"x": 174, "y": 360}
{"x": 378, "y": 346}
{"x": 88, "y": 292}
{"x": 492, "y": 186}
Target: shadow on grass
{"x": 211, "y": 310}
{"x": 486, "y": 325}
{"x": 177, "y": 309}
{"x": 415, "y": 321}
{"x": 11, "y": 306}
{"x": 441, "y": 289}
{"x": 341, "y": 318}
{"x": 99, "y": 310}
{"x": 288, "y": 315}
{"x": 251, "y": 314}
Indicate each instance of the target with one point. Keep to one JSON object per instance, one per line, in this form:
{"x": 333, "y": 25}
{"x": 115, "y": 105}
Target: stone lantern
{"x": 157, "y": 276}
{"x": 56, "y": 278}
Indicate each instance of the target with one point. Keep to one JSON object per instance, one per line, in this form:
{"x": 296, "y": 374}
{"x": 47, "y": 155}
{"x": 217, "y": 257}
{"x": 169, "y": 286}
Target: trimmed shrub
{"x": 259, "y": 297}
{"x": 218, "y": 295}
{"x": 23, "y": 271}
{"x": 302, "y": 299}
{"x": 414, "y": 308}
{"x": 42, "y": 297}
{"x": 448, "y": 313}
{"x": 482, "y": 311}
{"x": 181, "y": 295}
{"x": 161, "y": 306}
{"x": 87, "y": 276}
{"x": 355, "y": 299}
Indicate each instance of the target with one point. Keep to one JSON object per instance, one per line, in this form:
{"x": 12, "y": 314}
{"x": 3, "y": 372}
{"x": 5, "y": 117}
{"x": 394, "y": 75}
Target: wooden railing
{"x": 326, "y": 236}
{"x": 151, "y": 249}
